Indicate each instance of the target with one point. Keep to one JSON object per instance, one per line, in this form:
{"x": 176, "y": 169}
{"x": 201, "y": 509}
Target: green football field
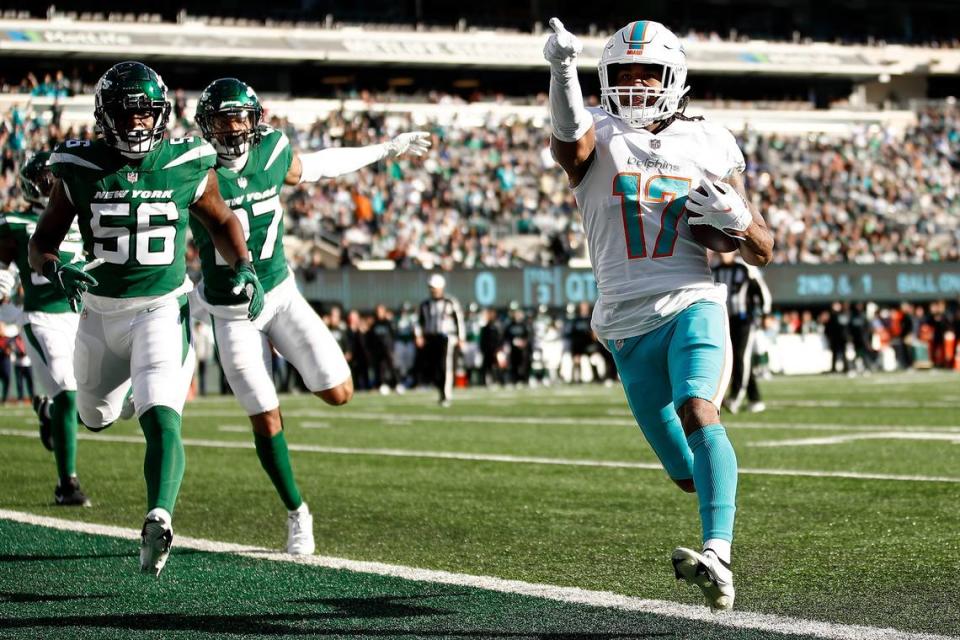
{"x": 517, "y": 513}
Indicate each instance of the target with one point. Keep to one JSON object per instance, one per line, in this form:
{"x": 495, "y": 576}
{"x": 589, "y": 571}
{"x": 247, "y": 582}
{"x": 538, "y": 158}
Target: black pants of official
{"x": 438, "y": 363}
{"x": 743, "y": 379}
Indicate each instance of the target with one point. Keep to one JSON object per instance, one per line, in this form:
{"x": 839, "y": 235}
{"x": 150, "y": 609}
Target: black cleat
{"x": 70, "y": 495}
{"x": 41, "y": 406}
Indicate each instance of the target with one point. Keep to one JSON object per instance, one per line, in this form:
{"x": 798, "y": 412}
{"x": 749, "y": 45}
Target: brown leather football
{"x": 713, "y": 239}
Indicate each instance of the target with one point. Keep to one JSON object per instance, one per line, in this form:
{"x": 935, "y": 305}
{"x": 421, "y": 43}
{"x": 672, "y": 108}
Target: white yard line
{"x": 853, "y": 437}
{"x": 494, "y": 457}
{"x": 233, "y": 428}
{"x": 865, "y": 404}
{"x": 315, "y": 425}
{"x": 572, "y": 595}
{"x": 441, "y": 418}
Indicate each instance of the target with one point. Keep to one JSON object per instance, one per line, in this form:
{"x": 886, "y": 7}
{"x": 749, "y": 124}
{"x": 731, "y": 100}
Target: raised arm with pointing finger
{"x": 573, "y": 138}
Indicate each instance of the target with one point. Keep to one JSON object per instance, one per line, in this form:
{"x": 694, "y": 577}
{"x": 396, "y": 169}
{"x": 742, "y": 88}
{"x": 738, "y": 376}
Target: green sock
{"x": 275, "y": 459}
{"x": 164, "y": 460}
{"x": 63, "y": 426}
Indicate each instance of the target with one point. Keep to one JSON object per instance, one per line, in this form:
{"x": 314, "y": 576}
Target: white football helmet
{"x": 643, "y": 42}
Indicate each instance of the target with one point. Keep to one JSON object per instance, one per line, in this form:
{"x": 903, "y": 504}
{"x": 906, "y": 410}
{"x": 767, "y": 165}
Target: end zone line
{"x": 495, "y": 457}
{"x": 572, "y": 595}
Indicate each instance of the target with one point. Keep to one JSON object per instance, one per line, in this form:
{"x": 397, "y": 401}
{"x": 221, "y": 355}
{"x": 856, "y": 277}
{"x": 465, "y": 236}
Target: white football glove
{"x": 722, "y": 208}
{"x": 415, "y": 143}
{"x": 7, "y": 282}
{"x": 562, "y": 47}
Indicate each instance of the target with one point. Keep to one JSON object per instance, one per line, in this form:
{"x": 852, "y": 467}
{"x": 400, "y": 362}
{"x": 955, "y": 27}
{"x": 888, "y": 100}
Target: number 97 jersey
{"x": 133, "y": 215}
{"x": 633, "y": 198}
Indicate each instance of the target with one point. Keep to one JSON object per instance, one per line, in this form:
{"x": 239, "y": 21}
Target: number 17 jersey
{"x": 633, "y": 198}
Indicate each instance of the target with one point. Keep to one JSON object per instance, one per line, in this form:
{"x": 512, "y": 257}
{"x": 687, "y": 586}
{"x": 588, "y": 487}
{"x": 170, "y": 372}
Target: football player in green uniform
{"x": 132, "y": 192}
{"x": 254, "y": 162}
{"x": 49, "y": 324}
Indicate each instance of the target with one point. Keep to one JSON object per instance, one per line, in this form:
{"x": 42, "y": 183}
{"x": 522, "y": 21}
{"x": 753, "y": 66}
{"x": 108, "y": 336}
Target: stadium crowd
{"x": 872, "y": 198}
{"x": 492, "y": 196}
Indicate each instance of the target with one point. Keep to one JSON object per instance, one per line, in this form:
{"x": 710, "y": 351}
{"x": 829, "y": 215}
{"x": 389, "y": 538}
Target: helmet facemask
{"x": 230, "y": 142}
{"x": 126, "y": 90}
{"x": 130, "y": 140}
{"x": 638, "y": 105}
{"x": 36, "y": 181}
{"x": 229, "y": 114}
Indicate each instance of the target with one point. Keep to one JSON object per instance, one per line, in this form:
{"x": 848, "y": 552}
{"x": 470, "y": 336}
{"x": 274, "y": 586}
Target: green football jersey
{"x": 254, "y": 195}
{"x": 38, "y": 293}
{"x": 134, "y": 214}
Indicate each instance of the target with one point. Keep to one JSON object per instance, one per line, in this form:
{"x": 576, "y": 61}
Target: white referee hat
{"x": 437, "y": 281}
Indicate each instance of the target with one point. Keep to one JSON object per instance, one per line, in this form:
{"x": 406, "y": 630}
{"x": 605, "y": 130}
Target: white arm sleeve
{"x": 330, "y": 163}
{"x": 570, "y": 119}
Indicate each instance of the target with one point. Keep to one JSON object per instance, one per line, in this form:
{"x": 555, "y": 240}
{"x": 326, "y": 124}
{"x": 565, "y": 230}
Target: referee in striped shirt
{"x": 439, "y": 331}
{"x": 748, "y": 298}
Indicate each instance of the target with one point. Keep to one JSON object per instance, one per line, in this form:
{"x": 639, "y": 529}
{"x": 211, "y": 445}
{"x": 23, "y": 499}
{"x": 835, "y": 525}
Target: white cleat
{"x": 156, "y": 538}
{"x": 733, "y": 405}
{"x": 709, "y": 573}
{"x": 757, "y": 407}
{"x": 127, "y": 410}
{"x": 300, "y": 532}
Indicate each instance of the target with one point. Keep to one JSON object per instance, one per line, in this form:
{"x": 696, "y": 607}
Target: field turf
{"x": 848, "y": 514}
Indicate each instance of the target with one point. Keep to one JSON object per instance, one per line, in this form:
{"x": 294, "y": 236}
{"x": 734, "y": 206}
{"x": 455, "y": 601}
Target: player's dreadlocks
{"x": 679, "y": 114}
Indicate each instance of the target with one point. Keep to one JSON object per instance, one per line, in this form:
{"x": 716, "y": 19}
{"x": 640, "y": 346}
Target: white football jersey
{"x": 632, "y": 203}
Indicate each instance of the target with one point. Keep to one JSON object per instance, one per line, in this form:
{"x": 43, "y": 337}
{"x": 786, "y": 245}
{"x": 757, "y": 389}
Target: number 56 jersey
{"x": 633, "y": 198}
{"x": 134, "y": 214}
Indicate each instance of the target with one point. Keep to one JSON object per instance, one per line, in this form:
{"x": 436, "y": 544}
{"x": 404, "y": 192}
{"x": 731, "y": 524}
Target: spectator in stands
{"x": 582, "y": 343}
{"x": 357, "y": 352}
{"x": 517, "y": 339}
{"x": 491, "y": 343}
{"x": 837, "y": 332}
{"x": 380, "y": 343}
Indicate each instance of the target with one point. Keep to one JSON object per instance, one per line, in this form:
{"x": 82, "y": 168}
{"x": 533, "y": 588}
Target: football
{"x": 710, "y": 237}
{"x": 713, "y": 239}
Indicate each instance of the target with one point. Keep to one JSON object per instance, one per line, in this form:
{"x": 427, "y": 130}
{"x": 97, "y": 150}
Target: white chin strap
{"x": 129, "y": 144}
{"x": 224, "y": 152}
{"x": 234, "y": 164}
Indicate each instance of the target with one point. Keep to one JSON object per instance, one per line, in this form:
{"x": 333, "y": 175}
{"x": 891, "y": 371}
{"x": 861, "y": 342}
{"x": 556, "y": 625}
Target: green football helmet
{"x": 224, "y": 100}
{"x": 125, "y": 89}
{"x": 36, "y": 180}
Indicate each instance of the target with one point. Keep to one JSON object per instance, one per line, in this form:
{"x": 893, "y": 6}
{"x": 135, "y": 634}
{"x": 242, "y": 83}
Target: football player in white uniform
{"x": 254, "y": 162}
{"x": 638, "y": 166}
